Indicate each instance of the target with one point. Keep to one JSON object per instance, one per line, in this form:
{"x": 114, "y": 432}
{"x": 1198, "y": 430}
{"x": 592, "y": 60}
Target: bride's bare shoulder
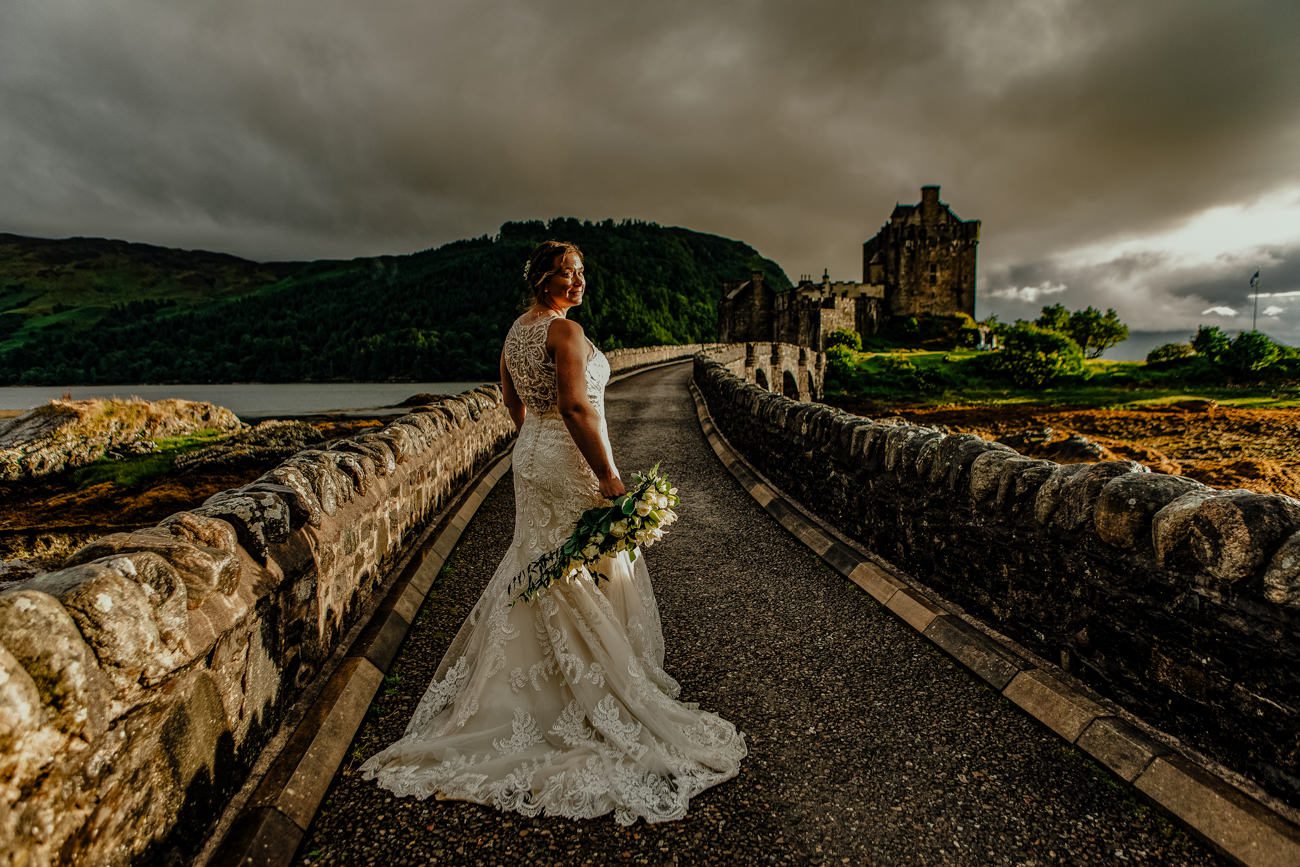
{"x": 565, "y": 336}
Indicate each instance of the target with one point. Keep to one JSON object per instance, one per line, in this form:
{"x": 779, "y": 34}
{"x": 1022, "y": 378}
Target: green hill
{"x": 85, "y": 311}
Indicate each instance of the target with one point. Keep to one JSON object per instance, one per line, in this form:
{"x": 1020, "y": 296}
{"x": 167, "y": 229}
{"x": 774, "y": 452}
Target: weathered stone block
{"x": 331, "y": 487}
{"x": 903, "y": 444}
{"x": 1052, "y": 490}
{"x": 1236, "y": 533}
{"x": 201, "y": 530}
{"x": 399, "y": 439}
{"x": 927, "y": 458}
{"x": 1076, "y": 499}
{"x": 163, "y": 588}
{"x": 1171, "y": 529}
{"x": 1020, "y": 481}
{"x": 376, "y": 450}
{"x": 114, "y": 615}
{"x": 304, "y": 508}
{"x": 416, "y": 435}
{"x": 358, "y": 469}
{"x": 260, "y": 518}
{"x": 171, "y": 743}
{"x": 962, "y": 454}
{"x": 1282, "y": 578}
{"x": 42, "y": 636}
{"x": 1128, "y": 503}
{"x": 203, "y": 570}
{"x": 986, "y": 473}
{"x": 876, "y": 445}
{"x": 28, "y": 742}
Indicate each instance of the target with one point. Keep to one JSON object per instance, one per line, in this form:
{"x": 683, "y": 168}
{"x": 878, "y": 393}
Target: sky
{"x": 1143, "y": 156}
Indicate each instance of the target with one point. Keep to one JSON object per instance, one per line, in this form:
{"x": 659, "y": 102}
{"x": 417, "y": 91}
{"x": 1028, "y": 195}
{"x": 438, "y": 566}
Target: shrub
{"x": 1169, "y": 354}
{"x": 844, "y": 337}
{"x": 1251, "y": 352}
{"x": 841, "y": 364}
{"x": 1033, "y": 356}
{"x": 1211, "y": 342}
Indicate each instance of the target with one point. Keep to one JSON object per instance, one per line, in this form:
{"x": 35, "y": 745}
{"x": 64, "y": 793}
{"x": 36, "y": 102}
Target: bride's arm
{"x": 569, "y": 346}
{"x": 510, "y": 397}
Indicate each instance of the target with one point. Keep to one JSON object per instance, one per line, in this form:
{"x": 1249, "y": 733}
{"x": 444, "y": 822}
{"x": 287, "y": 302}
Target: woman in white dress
{"x": 560, "y": 705}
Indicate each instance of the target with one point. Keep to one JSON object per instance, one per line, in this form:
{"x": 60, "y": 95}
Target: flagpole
{"x": 1254, "y": 317}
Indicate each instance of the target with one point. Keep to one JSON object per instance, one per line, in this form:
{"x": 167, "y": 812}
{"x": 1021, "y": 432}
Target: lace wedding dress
{"x": 560, "y": 705}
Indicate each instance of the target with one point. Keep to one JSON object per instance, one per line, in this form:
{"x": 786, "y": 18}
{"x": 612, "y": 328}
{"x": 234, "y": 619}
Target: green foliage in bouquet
{"x": 638, "y": 518}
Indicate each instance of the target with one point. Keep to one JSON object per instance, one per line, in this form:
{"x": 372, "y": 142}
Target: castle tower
{"x": 925, "y": 258}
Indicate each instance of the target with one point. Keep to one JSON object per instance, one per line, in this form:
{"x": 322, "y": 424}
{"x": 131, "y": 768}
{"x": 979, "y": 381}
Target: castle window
{"x": 934, "y": 274}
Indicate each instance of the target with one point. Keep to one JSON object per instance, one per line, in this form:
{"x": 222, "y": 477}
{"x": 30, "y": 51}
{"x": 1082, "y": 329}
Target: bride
{"x": 560, "y": 705}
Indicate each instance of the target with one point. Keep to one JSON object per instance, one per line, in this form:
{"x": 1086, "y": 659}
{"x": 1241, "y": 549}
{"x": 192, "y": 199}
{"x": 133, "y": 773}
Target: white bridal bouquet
{"x": 638, "y": 518}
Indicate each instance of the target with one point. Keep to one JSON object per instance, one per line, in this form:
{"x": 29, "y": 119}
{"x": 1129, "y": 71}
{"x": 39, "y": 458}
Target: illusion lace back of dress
{"x": 559, "y": 706}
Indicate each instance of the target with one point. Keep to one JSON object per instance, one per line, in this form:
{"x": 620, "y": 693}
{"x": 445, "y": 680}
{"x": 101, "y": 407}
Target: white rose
{"x": 618, "y": 530}
{"x": 590, "y": 552}
{"x": 643, "y": 508}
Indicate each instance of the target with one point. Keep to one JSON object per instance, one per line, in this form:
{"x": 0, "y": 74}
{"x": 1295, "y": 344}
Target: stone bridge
{"x": 1041, "y": 651}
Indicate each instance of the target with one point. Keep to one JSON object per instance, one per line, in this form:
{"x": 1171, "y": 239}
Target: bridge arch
{"x": 789, "y": 385}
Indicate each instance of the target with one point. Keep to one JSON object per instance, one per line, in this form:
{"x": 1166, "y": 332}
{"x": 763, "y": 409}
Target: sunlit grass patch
{"x": 136, "y": 470}
{"x": 930, "y": 378}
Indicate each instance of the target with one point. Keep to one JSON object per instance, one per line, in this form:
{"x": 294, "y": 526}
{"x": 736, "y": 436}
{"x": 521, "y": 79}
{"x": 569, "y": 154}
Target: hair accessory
{"x": 526, "y": 264}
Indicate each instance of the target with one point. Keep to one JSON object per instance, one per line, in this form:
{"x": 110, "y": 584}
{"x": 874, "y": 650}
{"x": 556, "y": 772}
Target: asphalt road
{"x": 867, "y": 744}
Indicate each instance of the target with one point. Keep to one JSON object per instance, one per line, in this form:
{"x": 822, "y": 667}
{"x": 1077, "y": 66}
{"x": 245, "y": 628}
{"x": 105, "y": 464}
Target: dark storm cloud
{"x": 1279, "y": 269}
{"x": 306, "y": 128}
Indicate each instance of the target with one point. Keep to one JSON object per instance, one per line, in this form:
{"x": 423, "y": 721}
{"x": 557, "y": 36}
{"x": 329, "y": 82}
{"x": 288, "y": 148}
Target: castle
{"x": 920, "y": 263}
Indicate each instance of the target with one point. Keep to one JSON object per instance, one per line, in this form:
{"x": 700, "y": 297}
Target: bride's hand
{"x": 612, "y": 487}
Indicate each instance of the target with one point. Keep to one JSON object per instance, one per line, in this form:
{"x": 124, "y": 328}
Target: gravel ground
{"x": 867, "y": 744}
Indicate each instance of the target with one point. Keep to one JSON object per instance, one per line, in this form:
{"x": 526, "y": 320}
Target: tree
{"x": 1211, "y": 343}
{"x": 1054, "y": 318}
{"x": 1032, "y": 356}
{"x": 1094, "y": 332}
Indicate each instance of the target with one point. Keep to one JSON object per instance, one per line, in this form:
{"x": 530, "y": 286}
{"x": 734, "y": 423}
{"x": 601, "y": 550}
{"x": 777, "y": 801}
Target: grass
{"x": 918, "y": 377}
{"x": 136, "y": 470}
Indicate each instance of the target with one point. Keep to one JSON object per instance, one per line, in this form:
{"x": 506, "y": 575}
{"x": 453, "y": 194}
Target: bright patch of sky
{"x": 1228, "y": 231}
{"x": 1029, "y": 293}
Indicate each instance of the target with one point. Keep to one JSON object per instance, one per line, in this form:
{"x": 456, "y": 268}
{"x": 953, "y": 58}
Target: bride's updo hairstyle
{"x": 544, "y": 262}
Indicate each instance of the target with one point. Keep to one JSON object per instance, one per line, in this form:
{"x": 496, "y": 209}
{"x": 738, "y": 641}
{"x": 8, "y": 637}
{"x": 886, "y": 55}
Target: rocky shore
{"x": 65, "y": 434}
{"x": 71, "y": 471}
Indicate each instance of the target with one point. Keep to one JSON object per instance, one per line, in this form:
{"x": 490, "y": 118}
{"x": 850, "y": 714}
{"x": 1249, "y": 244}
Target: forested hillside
{"x": 86, "y": 311}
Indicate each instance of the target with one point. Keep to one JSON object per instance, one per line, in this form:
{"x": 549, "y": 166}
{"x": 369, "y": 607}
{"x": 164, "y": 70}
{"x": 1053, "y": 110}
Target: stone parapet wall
{"x": 624, "y": 360}
{"x": 1179, "y": 601}
{"x": 139, "y": 683}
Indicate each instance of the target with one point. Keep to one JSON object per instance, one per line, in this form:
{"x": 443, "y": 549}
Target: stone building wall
{"x": 746, "y": 310}
{"x": 925, "y": 257}
{"x": 139, "y": 683}
{"x": 1179, "y": 601}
